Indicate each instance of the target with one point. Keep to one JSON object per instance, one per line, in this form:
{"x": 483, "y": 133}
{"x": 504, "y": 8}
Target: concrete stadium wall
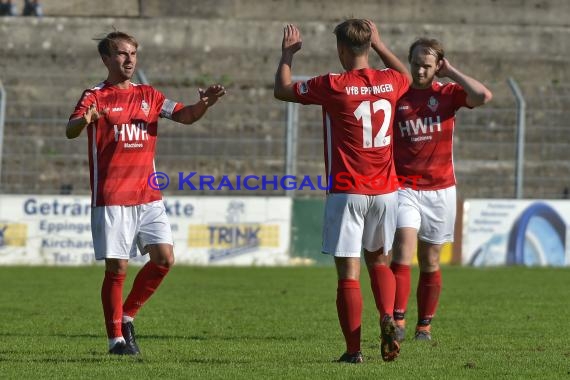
{"x": 522, "y": 12}
{"x": 530, "y": 12}
{"x": 174, "y": 34}
{"x": 244, "y": 47}
{"x": 46, "y": 62}
{"x": 87, "y": 8}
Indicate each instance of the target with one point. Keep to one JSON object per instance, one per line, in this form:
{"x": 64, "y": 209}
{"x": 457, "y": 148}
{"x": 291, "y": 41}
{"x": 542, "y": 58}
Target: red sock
{"x": 112, "y": 299}
{"x": 402, "y": 273}
{"x": 349, "y": 308}
{"x": 429, "y": 288}
{"x": 383, "y": 286}
{"x": 147, "y": 281}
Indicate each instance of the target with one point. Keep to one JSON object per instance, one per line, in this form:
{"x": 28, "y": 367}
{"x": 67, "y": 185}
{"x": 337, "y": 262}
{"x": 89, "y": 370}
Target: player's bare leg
{"x": 147, "y": 281}
{"x": 429, "y": 287}
{"x": 112, "y": 300}
{"x": 383, "y": 286}
{"x": 349, "y": 306}
{"x": 404, "y": 248}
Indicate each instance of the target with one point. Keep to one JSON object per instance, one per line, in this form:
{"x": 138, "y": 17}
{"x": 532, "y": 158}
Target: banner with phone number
{"x": 56, "y": 230}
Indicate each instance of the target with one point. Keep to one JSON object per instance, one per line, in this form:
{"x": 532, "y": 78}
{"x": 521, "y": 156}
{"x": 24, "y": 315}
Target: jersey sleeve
{"x": 165, "y": 107}
{"x": 312, "y": 91}
{"x": 87, "y": 99}
{"x": 458, "y": 95}
{"x": 169, "y": 107}
{"x": 399, "y": 81}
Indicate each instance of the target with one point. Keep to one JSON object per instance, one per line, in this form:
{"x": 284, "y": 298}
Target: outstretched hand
{"x": 291, "y": 39}
{"x": 92, "y": 114}
{"x": 211, "y": 94}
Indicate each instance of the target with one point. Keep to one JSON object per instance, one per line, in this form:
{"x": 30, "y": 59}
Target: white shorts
{"x": 430, "y": 212}
{"x": 355, "y": 221}
{"x": 118, "y": 230}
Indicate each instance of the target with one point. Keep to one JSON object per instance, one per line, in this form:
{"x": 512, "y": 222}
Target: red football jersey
{"x": 423, "y": 135}
{"x": 358, "y": 110}
{"x": 122, "y": 143}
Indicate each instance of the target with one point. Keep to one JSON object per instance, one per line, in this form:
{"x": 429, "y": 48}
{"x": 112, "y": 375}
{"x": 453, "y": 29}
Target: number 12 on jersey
{"x": 364, "y": 112}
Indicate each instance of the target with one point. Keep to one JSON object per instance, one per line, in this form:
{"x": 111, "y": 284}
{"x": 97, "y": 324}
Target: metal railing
{"x": 521, "y": 120}
{"x": 250, "y": 132}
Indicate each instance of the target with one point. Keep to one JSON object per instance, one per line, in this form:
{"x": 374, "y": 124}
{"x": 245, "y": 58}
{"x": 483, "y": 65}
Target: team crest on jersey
{"x": 145, "y": 107}
{"x": 433, "y": 104}
{"x": 303, "y": 88}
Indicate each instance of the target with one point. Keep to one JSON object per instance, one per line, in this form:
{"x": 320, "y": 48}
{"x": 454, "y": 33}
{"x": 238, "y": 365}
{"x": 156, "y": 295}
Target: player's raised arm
{"x": 194, "y": 112}
{"x": 477, "y": 93}
{"x": 390, "y": 59}
{"x": 283, "y": 89}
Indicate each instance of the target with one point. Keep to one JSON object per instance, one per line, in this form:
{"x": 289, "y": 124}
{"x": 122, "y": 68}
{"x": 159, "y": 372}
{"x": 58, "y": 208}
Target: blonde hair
{"x": 429, "y": 46}
{"x": 110, "y": 42}
{"x": 354, "y": 34}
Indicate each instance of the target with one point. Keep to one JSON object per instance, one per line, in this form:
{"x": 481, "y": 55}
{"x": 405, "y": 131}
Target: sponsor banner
{"x": 55, "y": 230}
{"x": 44, "y": 230}
{"x": 516, "y": 232}
{"x": 234, "y": 231}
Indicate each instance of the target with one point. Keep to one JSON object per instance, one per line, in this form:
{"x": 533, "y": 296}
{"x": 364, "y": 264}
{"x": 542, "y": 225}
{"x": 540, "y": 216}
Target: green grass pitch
{"x": 280, "y": 323}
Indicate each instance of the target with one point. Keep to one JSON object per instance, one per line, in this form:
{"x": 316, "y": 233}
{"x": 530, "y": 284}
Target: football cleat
{"x": 400, "y": 330}
{"x": 355, "y": 358}
{"x": 423, "y": 333}
{"x": 389, "y": 346}
{"x": 121, "y": 348}
{"x": 128, "y": 331}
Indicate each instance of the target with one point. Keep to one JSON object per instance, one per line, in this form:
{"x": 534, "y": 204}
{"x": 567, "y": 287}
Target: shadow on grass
{"x": 218, "y": 337}
{"x": 158, "y": 336}
{"x": 104, "y": 358}
{"x": 35, "y": 335}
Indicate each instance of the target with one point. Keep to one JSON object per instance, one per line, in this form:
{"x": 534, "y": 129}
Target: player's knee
{"x": 429, "y": 267}
{"x": 348, "y": 268}
{"x": 166, "y": 261}
{"x": 433, "y": 259}
{"x": 116, "y": 266}
{"x": 373, "y": 260}
{"x": 169, "y": 261}
{"x": 428, "y": 263}
{"x": 403, "y": 253}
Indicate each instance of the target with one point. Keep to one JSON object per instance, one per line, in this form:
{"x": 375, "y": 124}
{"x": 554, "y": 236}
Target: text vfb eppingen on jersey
{"x": 367, "y": 90}
{"x": 343, "y": 181}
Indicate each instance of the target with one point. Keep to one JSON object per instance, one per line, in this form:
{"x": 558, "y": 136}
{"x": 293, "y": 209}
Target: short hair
{"x": 354, "y": 34}
{"x": 110, "y": 42}
{"x": 429, "y": 46}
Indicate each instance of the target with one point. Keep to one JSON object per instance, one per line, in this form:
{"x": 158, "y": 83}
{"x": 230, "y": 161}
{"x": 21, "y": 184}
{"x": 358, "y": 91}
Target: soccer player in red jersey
{"x": 423, "y": 135}
{"x": 360, "y": 211}
{"x": 127, "y": 210}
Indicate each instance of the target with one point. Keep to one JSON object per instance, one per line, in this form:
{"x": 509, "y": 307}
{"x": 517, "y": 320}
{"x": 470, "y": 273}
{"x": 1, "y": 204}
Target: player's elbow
{"x": 283, "y": 93}
{"x": 488, "y": 96}
{"x": 69, "y": 133}
{"x": 277, "y": 92}
{"x": 485, "y": 96}
{"x": 482, "y": 98}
